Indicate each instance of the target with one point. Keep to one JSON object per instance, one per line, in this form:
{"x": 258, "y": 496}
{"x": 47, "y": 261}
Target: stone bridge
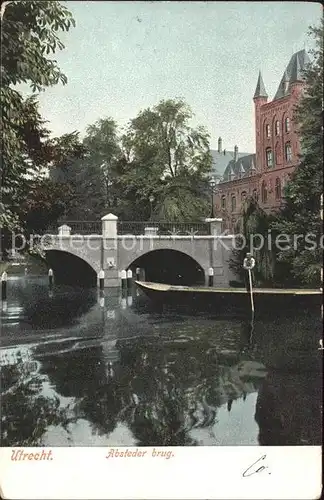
{"x": 113, "y": 247}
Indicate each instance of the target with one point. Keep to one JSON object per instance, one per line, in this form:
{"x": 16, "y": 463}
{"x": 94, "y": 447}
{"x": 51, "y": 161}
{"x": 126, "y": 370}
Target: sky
{"x": 123, "y": 57}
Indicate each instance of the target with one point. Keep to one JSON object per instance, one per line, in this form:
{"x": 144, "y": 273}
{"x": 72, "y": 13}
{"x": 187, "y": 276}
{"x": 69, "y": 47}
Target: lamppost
{"x": 151, "y": 199}
{"x": 212, "y": 184}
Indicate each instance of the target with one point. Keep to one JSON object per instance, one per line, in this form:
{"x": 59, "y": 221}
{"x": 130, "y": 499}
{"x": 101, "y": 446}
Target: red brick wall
{"x": 268, "y": 114}
{"x": 235, "y": 189}
{"x": 265, "y": 114}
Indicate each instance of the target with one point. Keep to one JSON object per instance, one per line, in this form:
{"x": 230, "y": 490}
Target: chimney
{"x": 219, "y": 144}
{"x": 235, "y": 153}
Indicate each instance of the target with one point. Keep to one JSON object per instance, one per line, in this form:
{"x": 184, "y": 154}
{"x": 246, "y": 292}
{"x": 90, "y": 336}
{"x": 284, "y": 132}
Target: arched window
{"x": 223, "y": 202}
{"x": 243, "y": 195}
{"x": 233, "y": 204}
{"x": 277, "y": 127}
{"x": 264, "y": 192}
{"x": 288, "y": 152}
{"x": 269, "y": 158}
{"x": 278, "y": 189}
{"x": 287, "y": 124}
{"x": 255, "y": 194}
{"x": 267, "y": 130}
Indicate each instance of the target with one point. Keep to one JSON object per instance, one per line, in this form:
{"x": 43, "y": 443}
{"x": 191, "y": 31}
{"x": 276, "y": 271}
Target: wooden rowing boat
{"x": 229, "y": 298}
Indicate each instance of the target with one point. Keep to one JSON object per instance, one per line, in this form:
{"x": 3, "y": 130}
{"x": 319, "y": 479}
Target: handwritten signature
{"x": 255, "y": 468}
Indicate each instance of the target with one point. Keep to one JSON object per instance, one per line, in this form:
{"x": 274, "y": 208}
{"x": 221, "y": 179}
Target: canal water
{"x": 80, "y": 368}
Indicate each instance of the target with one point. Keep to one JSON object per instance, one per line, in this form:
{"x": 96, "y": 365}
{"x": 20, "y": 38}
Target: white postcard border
{"x": 283, "y": 472}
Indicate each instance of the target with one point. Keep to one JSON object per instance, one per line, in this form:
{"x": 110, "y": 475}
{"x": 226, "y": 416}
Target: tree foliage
{"x": 28, "y": 41}
{"x": 168, "y": 160}
{"x": 253, "y": 225}
{"x": 45, "y": 203}
{"x": 28, "y": 38}
{"x": 103, "y": 153}
{"x": 20, "y": 157}
{"x": 301, "y": 212}
{"x": 159, "y": 157}
{"x": 89, "y": 170}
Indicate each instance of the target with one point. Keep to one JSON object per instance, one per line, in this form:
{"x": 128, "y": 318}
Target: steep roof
{"x": 260, "y": 90}
{"x": 243, "y": 167}
{"x": 293, "y": 73}
{"x": 221, "y": 161}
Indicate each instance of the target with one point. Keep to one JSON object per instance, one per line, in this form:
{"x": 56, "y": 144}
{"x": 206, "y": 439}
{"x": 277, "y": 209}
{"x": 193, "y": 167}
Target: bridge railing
{"x": 159, "y": 228}
{"x": 163, "y": 228}
{"x": 79, "y": 227}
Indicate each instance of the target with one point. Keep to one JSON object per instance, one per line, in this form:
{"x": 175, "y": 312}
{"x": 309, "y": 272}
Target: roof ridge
{"x": 293, "y": 72}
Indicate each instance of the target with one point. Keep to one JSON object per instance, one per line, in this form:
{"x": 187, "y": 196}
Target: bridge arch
{"x": 169, "y": 266}
{"x": 71, "y": 269}
{"x": 90, "y": 256}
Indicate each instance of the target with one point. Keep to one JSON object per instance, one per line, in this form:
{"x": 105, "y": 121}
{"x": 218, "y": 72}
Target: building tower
{"x": 260, "y": 98}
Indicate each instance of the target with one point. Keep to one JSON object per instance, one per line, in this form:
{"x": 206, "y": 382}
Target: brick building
{"x": 277, "y": 147}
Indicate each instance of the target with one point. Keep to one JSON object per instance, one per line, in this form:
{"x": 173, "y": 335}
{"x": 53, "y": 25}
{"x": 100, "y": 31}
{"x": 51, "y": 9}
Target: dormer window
{"x": 288, "y": 152}
{"x": 268, "y": 131}
{"x": 277, "y": 127}
{"x": 269, "y": 157}
{"x": 287, "y": 124}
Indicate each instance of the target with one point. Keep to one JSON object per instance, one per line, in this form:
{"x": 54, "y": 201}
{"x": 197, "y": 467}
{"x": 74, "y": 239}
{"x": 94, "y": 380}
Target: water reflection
{"x": 33, "y": 305}
{"x": 119, "y": 372}
{"x": 159, "y": 390}
{"x": 58, "y": 308}
{"x": 288, "y": 409}
{"x": 26, "y": 412}
{"x": 247, "y": 337}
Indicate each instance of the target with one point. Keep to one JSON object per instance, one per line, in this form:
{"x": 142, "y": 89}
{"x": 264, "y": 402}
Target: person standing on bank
{"x": 248, "y": 265}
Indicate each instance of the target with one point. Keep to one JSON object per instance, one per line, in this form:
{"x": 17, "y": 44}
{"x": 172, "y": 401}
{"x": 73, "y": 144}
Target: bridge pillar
{"x": 215, "y": 226}
{"x": 64, "y": 230}
{"x": 216, "y": 262}
{"x": 109, "y": 257}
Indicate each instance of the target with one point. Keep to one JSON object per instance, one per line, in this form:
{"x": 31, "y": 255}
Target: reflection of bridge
{"x": 113, "y": 247}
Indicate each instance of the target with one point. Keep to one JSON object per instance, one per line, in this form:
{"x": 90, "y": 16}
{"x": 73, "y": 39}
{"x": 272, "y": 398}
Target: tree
{"x": 90, "y": 170}
{"x": 40, "y": 200}
{"x": 301, "y": 212}
{"x": 45, "y": 203}
{"x": 21, "y": 159}
{"x": 103, "y": 153}
{"x": 28, "y": 37}
{"x": 167, "y": 160}
{"x": 254, "y": 224}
